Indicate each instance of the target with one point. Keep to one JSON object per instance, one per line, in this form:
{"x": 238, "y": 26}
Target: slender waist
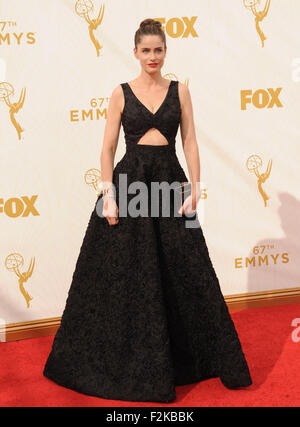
{"x": 147, "y": 148}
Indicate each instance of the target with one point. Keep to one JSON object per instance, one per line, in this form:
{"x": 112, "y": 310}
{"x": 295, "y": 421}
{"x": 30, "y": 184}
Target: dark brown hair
{"x": 149, "y": 26}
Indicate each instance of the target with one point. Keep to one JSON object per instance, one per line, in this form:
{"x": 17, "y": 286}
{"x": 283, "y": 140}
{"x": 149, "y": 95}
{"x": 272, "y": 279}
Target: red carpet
{"x": 272, "y": 353}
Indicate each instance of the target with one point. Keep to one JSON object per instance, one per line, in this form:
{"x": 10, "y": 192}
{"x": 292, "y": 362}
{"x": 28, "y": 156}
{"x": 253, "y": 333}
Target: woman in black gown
{"x": 145, "y": 311}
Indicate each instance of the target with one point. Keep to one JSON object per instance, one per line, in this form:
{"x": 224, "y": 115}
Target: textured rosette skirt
{"x": 145, "y": 311}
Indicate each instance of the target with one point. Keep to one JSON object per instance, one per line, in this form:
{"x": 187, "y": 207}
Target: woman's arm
{"x": 111, "y": 136}
{"x": 109, "y": 147}
{"x": 189, "y": 142}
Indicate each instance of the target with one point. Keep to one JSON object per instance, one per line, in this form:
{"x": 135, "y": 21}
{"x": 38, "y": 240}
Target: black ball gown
{"x": 145, "y": 311}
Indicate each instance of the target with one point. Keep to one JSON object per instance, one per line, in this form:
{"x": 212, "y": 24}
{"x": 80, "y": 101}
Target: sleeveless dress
{"x": 145, "y": 311}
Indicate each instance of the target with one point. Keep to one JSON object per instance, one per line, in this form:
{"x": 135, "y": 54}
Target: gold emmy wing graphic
{"x": 83, "y": 8}
{"x": 172, "y": 76}
{"x": 13, "y": 263}
{"x": 6, "y": 90}
{"x": 253, "y": 163}
{"x": 187, "y": 82}
{"x": 93, "y": 177}
{"x": 259, "y": 14}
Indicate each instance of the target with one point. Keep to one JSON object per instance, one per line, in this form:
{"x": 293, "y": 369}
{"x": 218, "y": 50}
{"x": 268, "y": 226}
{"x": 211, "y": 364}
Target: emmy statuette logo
{"x": 93, "y": 177}
{"x": 13, "y": 263}
{"x": 83, "y": 8}
{"x": 172, "y": 76}
{"x": 259, "y": 14}
{"x": 6, "y": 91}
{"x": 253, "y": 163}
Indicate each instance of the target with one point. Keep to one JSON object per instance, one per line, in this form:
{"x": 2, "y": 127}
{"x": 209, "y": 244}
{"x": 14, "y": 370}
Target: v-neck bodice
{"x": 161, "y": 105}
{"x": 137, "y": 119}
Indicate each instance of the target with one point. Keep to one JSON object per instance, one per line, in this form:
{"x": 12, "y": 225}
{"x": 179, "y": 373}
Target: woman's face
{"x": 151, "y": 50}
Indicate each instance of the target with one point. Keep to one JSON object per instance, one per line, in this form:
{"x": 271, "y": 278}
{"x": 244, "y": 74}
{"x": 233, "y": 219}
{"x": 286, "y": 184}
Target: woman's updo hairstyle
{"x": 149, "y": 26}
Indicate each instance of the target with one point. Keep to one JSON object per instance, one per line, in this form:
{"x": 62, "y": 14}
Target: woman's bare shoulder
{"x": 117, "y": 97}
{"x": 184, "y": 94}
{"x": 117, "y": 91}
{"x": 183, "y": 89}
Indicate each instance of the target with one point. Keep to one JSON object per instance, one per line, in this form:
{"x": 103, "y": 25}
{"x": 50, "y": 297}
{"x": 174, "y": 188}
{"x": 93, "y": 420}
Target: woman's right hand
{"x": 110, "y": 210}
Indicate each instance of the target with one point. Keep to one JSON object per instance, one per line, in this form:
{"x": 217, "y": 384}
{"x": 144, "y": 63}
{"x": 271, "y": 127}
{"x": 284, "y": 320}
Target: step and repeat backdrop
{"x": 60, "y": 60}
